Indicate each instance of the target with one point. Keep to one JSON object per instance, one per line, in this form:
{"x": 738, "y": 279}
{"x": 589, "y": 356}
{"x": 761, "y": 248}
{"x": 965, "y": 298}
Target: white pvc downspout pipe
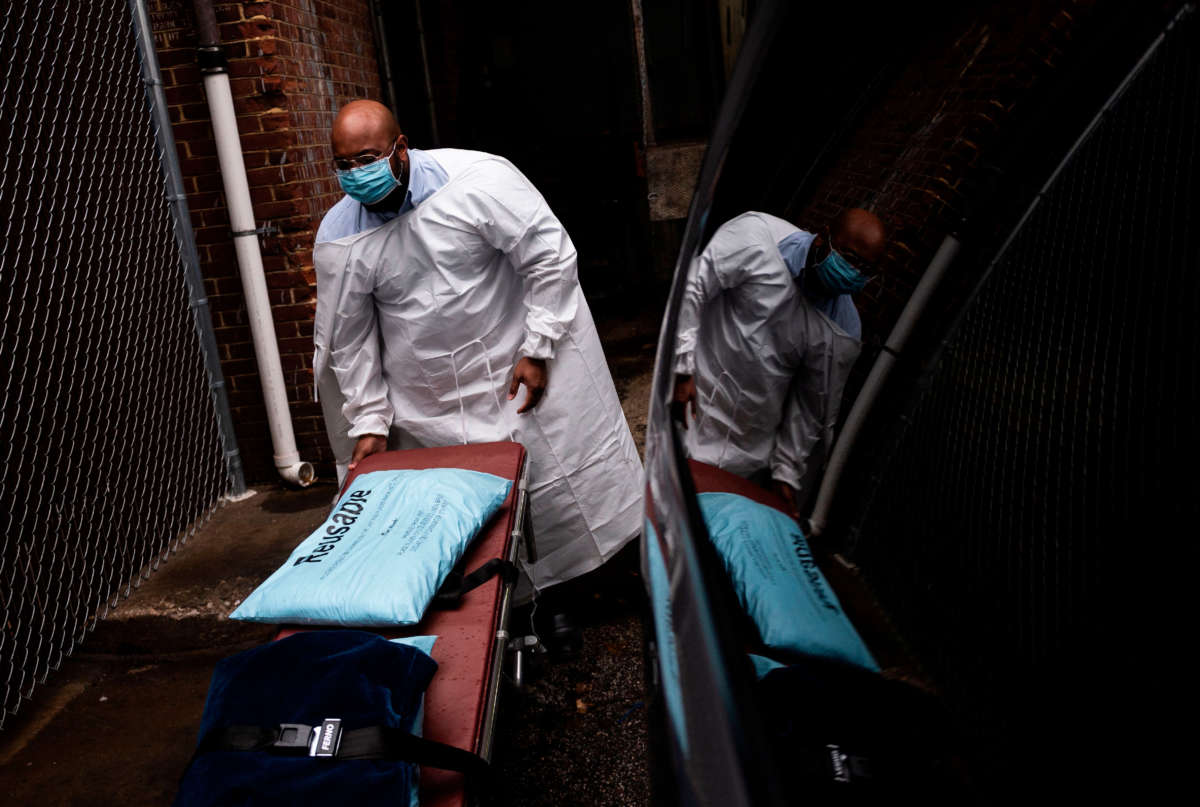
{"x": 871, "y": 388}
{"x": 249, "y": 257}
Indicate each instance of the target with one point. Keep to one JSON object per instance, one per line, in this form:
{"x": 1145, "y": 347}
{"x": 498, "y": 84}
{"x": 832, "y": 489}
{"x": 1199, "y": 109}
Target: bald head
{"x": 858, "y": 232}
{"x": 361, "y": 121}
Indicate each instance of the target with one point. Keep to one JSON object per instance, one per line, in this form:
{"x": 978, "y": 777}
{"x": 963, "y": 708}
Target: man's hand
{"x": 532, "y": 373}
{"x": 367, "y": 445}
{"x": 788, "y": 493}
{"x": 685, "y": 393}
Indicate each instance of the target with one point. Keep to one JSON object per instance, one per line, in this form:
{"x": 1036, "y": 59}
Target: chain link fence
{"x": 1054, "y": 439}
{"x": 114, "y": 450}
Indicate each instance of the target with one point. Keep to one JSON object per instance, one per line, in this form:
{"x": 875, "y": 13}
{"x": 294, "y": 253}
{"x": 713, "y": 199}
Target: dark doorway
{"x": 552, "y": 87}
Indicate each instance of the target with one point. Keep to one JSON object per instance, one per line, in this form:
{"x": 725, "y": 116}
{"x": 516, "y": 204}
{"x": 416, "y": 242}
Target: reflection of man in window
{"x": 767, "y": 335}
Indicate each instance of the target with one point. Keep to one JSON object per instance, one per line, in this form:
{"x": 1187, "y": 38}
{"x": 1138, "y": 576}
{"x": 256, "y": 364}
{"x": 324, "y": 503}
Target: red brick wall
{"x": 908, "y": 159}
{"x": 291, "y": 65}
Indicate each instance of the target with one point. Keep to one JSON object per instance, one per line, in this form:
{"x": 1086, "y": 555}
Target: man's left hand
{"x": 532, "y": 373}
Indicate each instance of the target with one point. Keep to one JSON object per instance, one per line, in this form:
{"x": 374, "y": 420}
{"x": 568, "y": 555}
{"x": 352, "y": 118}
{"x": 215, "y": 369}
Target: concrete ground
{"x": 116, "y": 724}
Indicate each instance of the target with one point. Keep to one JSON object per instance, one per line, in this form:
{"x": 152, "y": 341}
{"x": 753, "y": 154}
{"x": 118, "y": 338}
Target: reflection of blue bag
{"x": 763, "y": 665}
{"x": 777, "y": 581}
{"x": 384, "y": 551}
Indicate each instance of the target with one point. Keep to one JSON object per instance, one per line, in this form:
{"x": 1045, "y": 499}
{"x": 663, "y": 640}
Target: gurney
{"x": 462, "y": 700}
{"x": 891, "y": 736}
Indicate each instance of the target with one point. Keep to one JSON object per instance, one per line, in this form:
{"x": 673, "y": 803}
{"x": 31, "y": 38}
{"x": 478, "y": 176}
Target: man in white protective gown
{"x": 766, "y": 338}
{"x": 444, "y": 283}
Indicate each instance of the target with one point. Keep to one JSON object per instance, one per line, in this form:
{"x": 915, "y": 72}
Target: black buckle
{"x": 327, "y": 738}
{"x": 293, "y": 737}
{"x": 847, "y": 768}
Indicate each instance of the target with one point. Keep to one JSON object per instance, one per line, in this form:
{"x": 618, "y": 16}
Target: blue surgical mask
{"x": 838, "y": 275}
{"x": 372, "y": 182}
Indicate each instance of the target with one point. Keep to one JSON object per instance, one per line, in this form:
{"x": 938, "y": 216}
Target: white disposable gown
{"x": 769, "y": 367}
{"x": 420, "y": 322}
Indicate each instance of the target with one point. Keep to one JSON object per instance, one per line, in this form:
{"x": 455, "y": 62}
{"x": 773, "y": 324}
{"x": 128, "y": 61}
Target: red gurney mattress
{"x": 460, "y": 702}
{"x": 710, "y": 479}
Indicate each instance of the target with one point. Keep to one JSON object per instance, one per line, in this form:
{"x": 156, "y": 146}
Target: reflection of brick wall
{"x": 291, "y": 63}
{"x": 908, "y": 159}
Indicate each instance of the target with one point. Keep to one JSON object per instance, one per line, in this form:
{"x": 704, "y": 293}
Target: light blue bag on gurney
{"x": 777, "y": 581}
{"x": 425, "y": 645}
{"x": 384, "y": 551}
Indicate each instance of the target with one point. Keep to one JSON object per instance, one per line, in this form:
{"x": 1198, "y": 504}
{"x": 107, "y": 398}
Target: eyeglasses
{"x": 865, "y": 267}
{"x": 341, "y": 165}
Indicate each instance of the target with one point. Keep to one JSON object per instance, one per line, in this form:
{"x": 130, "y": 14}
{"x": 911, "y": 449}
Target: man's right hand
{"x": 788, "y": 493}
{"x": 685, "y": 394}
{"x": 367, "y": 445}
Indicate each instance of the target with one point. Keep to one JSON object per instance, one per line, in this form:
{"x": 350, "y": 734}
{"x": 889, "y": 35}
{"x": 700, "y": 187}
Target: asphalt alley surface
{"x": 116, "y": 724}
{"x": 576, "y": 734}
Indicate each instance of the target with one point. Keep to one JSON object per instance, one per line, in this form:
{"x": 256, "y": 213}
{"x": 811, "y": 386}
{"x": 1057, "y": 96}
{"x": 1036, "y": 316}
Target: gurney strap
{"x": 457, "y": 584}
{"x": 372, "y": 742}
{"x": 381, "y": 742}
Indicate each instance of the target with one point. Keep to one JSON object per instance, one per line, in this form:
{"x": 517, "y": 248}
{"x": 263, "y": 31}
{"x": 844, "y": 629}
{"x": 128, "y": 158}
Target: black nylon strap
{"x": 456, "y": 586}
{"x": 372, "y": 742}
{"x": 285, "y": 738}
{"x": 243, "y": 738}
{"x": 381, "y": 742}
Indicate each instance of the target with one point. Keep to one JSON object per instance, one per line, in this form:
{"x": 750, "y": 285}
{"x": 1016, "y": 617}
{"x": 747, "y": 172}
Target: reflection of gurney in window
{"x": 843, "y": 732}
{"x": 461, "y": 701}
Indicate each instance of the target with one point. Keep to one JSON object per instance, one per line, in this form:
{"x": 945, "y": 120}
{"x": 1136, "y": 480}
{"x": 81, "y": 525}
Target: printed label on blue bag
{"x": 426, "y": 522}
{"x": 339, "y": 524}
{"x": 816, "y": 580}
